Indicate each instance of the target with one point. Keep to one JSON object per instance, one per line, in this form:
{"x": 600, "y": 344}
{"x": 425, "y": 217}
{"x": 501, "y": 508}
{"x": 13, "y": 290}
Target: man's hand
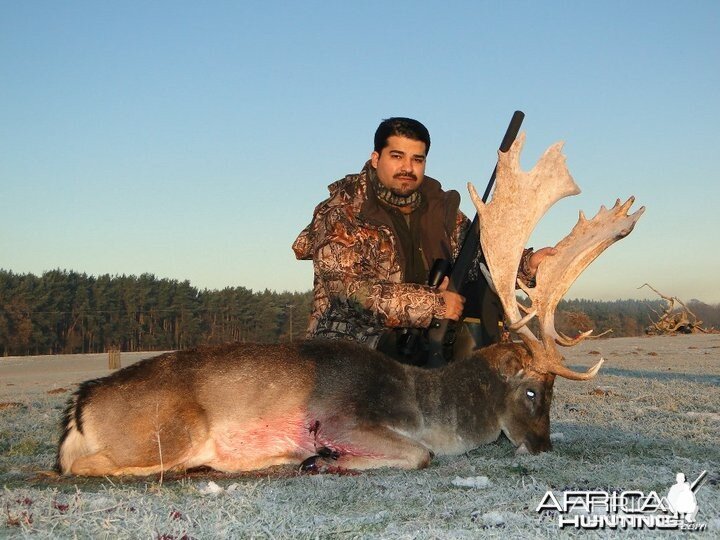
{"x": 454, "y": 303}
{"x": 537, "y": 257}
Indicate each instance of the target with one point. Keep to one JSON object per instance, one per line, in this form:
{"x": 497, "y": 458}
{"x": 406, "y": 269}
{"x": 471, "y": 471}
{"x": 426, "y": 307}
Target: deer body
{"x": 248, "y": 406}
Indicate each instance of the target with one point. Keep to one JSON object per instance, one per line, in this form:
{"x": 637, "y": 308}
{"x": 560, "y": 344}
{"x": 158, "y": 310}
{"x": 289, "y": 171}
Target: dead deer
{"x": 333, "y": 405}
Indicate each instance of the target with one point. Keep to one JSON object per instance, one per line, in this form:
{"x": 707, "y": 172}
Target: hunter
{"x": 373, "y": 241}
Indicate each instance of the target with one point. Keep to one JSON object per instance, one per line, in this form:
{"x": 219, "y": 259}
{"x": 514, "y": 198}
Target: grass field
{"x": 653, "y": 411}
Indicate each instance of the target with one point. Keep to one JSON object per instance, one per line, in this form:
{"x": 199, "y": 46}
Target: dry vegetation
{"x": 675, "y": 319}
{"x": 654, "y": 410}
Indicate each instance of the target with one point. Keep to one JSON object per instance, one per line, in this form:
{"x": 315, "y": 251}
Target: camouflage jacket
{"x": 359, "y": 288}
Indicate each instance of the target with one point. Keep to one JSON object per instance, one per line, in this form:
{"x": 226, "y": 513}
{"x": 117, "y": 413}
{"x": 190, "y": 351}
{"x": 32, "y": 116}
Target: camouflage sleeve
{"x": 396, "y": 304}
{"x": 358, "y": 267}
{"x": 524, "y": 273}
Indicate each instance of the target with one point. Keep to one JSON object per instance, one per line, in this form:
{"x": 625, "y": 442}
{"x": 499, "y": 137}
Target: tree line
{"x": 70, "y": 312}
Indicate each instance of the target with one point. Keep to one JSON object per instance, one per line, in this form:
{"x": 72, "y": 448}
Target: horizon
{"x": 193, "y": 142}
{"x": 280, "y": 292}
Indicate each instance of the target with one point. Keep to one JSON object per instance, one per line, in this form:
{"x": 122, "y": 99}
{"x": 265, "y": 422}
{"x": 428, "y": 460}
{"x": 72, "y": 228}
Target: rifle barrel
{"x": 468, "y": 252}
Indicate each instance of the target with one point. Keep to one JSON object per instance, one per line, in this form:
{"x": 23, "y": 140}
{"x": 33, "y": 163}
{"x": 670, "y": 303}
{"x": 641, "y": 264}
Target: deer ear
{"x": 512, "y": 375}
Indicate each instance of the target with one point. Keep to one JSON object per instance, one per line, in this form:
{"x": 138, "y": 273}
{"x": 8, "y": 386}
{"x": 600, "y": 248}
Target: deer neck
{"x": 461, "y": 404}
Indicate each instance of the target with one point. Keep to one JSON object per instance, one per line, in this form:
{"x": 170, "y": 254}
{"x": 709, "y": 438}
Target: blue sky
{"x": 192, "y": 140}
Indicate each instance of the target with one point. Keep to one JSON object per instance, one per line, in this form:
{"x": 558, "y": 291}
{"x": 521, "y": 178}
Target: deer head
{"x": 506, "y": 222}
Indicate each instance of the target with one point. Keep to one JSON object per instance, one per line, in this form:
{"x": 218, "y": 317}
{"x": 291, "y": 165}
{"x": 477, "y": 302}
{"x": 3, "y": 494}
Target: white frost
{"x": 480, "y": 482}
{"x": 211, "y": 489}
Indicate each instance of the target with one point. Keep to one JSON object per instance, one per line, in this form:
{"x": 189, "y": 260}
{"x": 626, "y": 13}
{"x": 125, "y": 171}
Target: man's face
{"x": 400, "y": 165}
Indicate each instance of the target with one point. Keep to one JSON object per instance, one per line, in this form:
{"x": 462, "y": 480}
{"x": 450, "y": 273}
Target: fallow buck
{"x": 332, "y": 405}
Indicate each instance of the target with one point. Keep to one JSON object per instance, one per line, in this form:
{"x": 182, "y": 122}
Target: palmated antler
{"x": 506, "y": 222}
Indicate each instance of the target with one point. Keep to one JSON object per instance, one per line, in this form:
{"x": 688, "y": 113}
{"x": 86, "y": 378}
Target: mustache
{"x": 403, "y": 174}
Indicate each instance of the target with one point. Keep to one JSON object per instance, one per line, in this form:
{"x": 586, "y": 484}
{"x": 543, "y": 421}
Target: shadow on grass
{"x": 50, "y": 479}
{"x": 665, "y": 376}
{"x": 596, "y": 442}
{"x": 597, "y": 446}
{"x": 595, "y": 457}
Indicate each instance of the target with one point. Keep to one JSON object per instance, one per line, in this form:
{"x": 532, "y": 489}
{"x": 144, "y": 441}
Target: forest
{"x": 69, "y": 312}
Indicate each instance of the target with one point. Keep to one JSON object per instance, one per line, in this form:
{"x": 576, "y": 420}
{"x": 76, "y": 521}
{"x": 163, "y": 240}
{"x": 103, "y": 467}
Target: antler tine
{"x": 587, "y": 240}
{"x": 567, "y": 341}
{"x": 561, "y": 370}
{"x": 506, "y": 222}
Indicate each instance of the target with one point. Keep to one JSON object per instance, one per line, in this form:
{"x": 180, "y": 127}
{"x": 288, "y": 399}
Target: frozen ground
{"x": 653, "y": 411}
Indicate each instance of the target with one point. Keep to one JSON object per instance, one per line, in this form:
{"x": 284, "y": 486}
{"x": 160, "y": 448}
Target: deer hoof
{"x": 328, "y": 453}
{"x": 322, "y": 462}
{"x": 311, "y": 465}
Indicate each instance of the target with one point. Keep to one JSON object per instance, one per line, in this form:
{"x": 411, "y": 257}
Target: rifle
{"x": 468, "y": 252}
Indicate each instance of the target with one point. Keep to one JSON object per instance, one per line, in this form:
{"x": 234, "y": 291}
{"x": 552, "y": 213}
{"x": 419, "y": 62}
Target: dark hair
{"x": 403, "y": 127}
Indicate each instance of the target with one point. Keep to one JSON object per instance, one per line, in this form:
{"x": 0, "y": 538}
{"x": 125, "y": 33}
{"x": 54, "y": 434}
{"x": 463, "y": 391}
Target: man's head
{"x": 401, "y": 146}
{"x": 402, "y": 127}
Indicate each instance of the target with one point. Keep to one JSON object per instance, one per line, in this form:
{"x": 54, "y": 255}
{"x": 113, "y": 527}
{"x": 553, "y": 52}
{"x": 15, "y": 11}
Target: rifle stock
{"x": 467, "y": 254}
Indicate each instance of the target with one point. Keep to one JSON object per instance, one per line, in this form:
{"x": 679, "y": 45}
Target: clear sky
{"x": 192, "y": 140}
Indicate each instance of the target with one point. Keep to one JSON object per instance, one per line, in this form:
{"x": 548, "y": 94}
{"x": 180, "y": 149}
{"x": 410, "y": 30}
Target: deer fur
{"x": 243, "y": 407}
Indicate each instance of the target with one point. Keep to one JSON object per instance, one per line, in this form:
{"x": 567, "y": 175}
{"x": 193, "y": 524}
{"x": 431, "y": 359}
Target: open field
{"x": 653, "y": 411}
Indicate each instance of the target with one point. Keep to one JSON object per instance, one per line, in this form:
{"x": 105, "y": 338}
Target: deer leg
{"x": 102, "y": 464}
{"x": 254, "y": 463}
{"x": 369, "y": 448}
{"x": 151, "y": 444}
{"x": 97, "y": 464}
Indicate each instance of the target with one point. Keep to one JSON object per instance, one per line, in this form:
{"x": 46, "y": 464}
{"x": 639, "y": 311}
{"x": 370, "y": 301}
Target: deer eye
{"x": 530, "y": 394}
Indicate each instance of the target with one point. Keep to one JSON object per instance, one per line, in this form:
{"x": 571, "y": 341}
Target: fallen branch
{"x": 673, "y": 320}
